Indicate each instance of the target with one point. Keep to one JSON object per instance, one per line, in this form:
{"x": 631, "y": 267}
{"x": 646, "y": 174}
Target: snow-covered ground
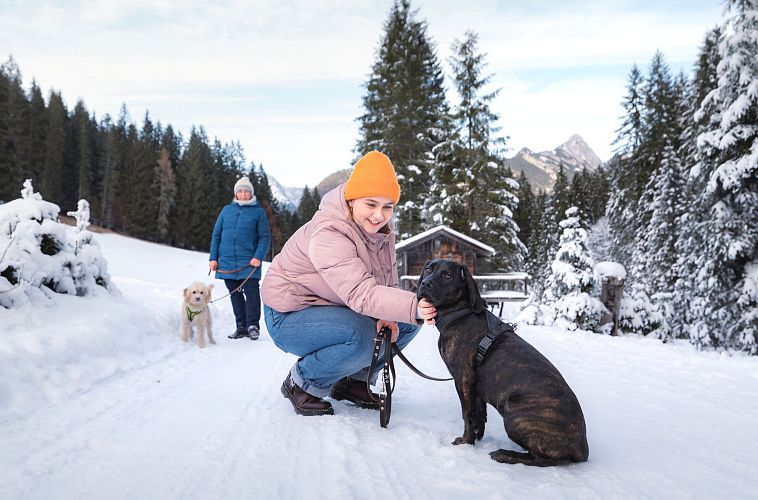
{"x": 99, "y": 399}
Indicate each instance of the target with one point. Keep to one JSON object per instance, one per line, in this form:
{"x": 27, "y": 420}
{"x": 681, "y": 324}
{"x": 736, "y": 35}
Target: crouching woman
{"x": 334, "y": 285}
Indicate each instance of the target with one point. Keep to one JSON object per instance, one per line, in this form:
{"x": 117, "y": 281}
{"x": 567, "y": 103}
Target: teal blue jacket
{"x": 241, "y": 232}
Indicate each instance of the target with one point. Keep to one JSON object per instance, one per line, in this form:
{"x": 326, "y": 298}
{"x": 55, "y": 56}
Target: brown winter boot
{"x": 356, "y": 392}
{"x": 304, "y": 403}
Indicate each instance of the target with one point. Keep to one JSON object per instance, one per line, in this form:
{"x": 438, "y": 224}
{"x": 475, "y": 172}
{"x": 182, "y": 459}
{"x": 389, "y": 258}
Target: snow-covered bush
{"x": 642, "y": 315}
{"x": 40, "y": 256}
{"x": 572, "y": 280}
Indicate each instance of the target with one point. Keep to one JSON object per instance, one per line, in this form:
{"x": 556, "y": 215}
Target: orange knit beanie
{"x": 373, "y": 175}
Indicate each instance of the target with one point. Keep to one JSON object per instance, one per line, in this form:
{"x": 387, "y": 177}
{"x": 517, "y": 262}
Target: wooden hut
{"x": 440, "y": 242}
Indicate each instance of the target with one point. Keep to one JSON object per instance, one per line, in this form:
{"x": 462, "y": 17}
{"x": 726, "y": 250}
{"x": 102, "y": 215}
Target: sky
{"x": 285, "y": 78}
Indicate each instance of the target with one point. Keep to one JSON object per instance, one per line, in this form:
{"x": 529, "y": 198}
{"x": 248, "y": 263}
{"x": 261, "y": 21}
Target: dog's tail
{"x": 526, "y": 458}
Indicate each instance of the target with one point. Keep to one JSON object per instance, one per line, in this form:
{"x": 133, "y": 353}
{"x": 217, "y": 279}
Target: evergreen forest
{"x": 676, "y": 205}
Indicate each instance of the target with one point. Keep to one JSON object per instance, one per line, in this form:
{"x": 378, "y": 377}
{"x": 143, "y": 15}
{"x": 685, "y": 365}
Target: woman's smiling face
{"x": 372, "y": 213}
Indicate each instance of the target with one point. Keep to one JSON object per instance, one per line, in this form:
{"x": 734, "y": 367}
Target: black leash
{"x": 384, "y": 336}
{"x": 388, "y": 374}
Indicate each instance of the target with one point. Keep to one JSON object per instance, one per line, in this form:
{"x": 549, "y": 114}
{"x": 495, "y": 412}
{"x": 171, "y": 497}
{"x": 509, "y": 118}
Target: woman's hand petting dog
{"x": 427, "y": 311}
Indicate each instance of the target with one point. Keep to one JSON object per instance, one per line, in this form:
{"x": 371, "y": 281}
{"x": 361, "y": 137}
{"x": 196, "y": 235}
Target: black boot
{"x": 240, "y": 333}
{"x": 356, "y": 392}
{"x": 304, "y": 403}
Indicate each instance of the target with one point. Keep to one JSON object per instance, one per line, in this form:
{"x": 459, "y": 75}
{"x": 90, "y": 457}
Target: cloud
{"x": 284, "y": 77}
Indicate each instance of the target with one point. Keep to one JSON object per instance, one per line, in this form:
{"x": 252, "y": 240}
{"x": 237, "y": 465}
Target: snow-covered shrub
{"x": 40, "y": 256}
{"x": 642, "y": 315}
{"x": 572, "y": 279}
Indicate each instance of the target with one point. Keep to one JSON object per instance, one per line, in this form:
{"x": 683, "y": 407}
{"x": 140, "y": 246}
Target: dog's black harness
{"x": 495, "y": 327}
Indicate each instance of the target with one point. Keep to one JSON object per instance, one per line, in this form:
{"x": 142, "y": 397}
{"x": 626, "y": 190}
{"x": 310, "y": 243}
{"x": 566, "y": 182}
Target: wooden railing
{"x": 496, "y": 289}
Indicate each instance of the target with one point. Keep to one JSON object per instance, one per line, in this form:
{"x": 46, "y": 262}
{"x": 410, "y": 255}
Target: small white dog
{"x": 195, "y": 312}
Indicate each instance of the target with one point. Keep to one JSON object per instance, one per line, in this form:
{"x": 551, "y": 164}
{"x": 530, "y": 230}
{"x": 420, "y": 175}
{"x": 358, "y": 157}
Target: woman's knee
{"x": 406, "y": 334}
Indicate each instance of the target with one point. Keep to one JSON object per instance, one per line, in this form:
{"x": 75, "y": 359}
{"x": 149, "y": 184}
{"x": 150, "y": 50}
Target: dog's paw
{"x": 462, "y": 440}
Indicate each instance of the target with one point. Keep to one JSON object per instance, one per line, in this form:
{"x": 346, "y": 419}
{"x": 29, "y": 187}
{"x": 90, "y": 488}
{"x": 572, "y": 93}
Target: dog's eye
{"x": 447, "y": 275}
{"x": 428, "y": 270}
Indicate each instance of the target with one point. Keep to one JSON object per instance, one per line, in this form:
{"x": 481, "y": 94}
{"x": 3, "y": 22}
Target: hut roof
{"x": 485, "y": 250}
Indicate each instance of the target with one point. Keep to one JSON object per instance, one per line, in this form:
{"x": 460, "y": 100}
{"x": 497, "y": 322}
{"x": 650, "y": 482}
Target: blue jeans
{"x": 333, "y": 342}
{"x": 246, "y": 303}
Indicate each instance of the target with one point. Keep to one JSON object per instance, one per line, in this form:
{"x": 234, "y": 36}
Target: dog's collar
{"x": 441, "y": 321}
{"x": 191, "y": 314}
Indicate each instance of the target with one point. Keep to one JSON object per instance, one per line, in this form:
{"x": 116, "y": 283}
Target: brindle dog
{"x": 540, "y": 410}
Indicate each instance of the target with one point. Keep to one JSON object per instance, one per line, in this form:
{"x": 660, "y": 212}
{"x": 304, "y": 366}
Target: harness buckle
{"x": 484, "y": 346}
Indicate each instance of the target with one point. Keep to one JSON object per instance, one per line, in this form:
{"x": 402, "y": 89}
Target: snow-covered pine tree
{"x": 485, "y": 185}
{"x": 572, "y": 279}
{"x": 652, "y": 106}
{"x": 655, "y": 254}
{"x": 692, "y": 240}
{"x": 547, "y": 234}
{"x": 498, "y": 229}
{"x": 661, "y": 129}
{"x": 727, "y": 296}
{"x": 623, "y": 197}
{"x": 598, "y": 194}
{"x": 405, "y": 111}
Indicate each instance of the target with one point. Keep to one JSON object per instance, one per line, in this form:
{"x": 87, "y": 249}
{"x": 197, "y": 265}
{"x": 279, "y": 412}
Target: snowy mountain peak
{"x": 541, "y": 169}
{"x": 575, "y": 147}
{"x": 288, "y": 197}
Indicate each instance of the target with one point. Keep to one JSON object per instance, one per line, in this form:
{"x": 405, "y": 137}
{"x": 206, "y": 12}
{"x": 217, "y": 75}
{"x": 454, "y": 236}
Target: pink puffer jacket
{"x": 331, "y": 260}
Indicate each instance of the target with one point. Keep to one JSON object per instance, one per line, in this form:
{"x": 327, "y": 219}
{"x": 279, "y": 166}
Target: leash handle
{"x": 383, "y": 336}
{"x": 385, "y": 409}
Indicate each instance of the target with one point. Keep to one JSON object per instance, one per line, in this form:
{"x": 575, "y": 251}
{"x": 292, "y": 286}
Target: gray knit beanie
{"x": 243, "y": 183}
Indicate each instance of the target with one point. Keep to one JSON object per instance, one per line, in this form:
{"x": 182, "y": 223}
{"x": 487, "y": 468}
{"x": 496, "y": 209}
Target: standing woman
{"x": 239, "y": 243}
{"x": 334, "y": 285}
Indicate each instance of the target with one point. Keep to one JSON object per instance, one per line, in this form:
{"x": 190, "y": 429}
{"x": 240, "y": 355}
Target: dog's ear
{"x": 210, "y": 287}
{"x": 475, "y": 300}
{"x": 186, "y": 292}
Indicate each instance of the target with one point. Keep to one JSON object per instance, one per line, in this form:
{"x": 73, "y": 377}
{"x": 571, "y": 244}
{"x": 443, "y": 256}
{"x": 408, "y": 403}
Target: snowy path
{"x": 183, "y": 423}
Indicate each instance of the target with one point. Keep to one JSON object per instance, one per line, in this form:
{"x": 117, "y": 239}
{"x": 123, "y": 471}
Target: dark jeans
{"x": 246, "y": 303}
